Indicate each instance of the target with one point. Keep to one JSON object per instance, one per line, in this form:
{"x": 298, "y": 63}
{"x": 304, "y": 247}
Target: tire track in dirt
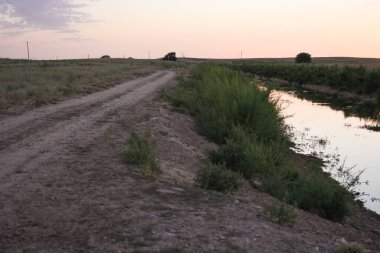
{"x": 31, "y": 139}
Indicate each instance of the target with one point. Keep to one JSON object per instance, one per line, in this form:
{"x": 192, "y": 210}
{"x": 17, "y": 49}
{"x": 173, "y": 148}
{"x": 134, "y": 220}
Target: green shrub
{"x": 321, "y": 195}
{"x": 281, "y": 214}
{"x": 140, "y": 151}
{"x": 244, "y": 154}
{"x": 217, "y": 178}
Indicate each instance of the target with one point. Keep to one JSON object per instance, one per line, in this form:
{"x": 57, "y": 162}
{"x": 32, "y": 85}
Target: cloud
{"x": 24, "y": 15}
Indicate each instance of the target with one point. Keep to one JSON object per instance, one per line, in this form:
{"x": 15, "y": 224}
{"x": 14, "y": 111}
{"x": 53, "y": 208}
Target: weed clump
{"x": 217, "y": 178}
{"x": 140, "y": 151}
{"x": 281, "y": 214}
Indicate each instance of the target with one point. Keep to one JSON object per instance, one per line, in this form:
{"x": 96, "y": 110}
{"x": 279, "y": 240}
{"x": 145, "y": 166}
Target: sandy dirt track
{"x": 32, "y": 142}
{"x": 35, "y": 137}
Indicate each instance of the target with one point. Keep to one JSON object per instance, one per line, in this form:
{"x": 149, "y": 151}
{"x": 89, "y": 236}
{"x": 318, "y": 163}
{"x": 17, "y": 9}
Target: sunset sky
{"x": 58, "y": 29}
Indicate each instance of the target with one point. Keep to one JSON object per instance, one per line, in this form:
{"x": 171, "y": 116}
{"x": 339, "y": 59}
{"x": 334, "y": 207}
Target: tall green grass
{"x": 233, "y": 111}
{"x": 228, "y": 98}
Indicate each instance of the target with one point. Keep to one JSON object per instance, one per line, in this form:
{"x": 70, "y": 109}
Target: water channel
{"x": 341, "y": 133}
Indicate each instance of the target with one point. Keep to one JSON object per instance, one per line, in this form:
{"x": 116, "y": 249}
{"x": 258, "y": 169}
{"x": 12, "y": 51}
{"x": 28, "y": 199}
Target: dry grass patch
{"x": 43, "y": 82}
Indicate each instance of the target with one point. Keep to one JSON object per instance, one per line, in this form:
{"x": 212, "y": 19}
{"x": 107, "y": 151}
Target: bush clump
{"x": 303, "y": 58}
{"x": 170, "y": 57}
{"x": 281, "y": 214}
{"x": 217, "y": 178}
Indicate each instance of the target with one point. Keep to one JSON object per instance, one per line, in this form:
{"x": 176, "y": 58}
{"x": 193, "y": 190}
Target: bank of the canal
{"x": 339, "y": 135}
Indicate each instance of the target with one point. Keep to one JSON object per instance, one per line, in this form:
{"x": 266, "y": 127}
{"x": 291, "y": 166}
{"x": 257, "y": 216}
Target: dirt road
{"x": 37, "y": 143}
{"x": 40, "y": 135}
{"x": 63, "y": 187}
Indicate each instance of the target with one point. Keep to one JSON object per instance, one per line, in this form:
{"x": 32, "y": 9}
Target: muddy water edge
{"x": 345, "y": 133}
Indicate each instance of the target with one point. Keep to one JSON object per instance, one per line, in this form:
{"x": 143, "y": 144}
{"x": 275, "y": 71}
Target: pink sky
{"x": 195, "y": 28}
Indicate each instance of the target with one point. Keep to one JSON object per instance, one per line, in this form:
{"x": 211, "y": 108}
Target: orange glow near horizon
{"x": 208, "y": 29}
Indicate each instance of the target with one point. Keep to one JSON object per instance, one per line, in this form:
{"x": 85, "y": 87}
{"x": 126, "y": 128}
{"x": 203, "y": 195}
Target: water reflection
{"x": 337, "y": 136}
{"x": 367, "y": 111}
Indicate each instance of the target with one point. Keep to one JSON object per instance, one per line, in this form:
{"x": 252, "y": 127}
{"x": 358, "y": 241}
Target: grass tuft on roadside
{"x": 140, "y": 152}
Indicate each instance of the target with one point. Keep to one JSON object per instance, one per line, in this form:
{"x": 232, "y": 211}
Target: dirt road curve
{"x": 29, "y": 140}
{"x": 33, "y": 145}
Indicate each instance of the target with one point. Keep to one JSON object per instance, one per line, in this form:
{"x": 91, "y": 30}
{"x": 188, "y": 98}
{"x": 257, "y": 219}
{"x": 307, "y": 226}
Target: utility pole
{"x": 149, "y": 55}
{"x": 27, "y": 48}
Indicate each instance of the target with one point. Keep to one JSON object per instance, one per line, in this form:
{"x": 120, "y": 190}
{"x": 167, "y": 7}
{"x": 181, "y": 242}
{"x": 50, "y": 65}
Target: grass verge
{"x": 232, "y": 110}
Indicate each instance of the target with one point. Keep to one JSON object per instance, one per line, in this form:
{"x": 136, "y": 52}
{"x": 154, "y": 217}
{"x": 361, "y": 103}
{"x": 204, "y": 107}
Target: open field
{"x": 371, "y": 63}
{"x": 26, "y": 84}
{"x": 35, "y": 83}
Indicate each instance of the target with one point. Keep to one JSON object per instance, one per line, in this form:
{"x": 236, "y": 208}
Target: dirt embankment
{"x": 64, "y": 189}
{"x": 328, "y": 90}
{"x": 341, "y": 94}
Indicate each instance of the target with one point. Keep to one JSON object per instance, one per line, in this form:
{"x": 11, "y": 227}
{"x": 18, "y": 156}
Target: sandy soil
{"x": 64, "y": 189}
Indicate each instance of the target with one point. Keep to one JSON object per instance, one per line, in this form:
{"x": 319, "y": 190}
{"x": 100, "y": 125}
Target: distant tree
{"x": 170, "y": 57}
{"x": 105, "y": 57}
{"x": 303, "y": 58}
